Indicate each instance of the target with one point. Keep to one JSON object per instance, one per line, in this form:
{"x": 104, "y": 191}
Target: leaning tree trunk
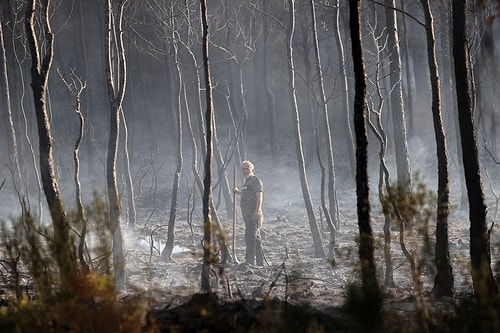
{"x": 41, "y": 61}
{"x": 318, "y": 246}
{"x": 485, "y": 287}
{"x": 371, "y": 286}
{"x": 116, "y": 78}
{"x": 443, "y": 281}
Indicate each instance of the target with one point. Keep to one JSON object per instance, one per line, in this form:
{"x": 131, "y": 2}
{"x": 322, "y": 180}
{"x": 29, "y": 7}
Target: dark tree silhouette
{"x": 371, "y": 286}
{"x": 207, "y": 180}
{"x": 443, "y": 281}
{"x": 482, "y": 277}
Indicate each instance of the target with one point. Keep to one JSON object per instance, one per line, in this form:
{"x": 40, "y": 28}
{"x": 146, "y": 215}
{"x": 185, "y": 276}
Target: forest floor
{"x": 295, "y": 291}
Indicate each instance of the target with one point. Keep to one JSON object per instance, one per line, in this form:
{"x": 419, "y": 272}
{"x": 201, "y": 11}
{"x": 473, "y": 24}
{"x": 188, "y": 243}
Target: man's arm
{"x": 257, "y": 213}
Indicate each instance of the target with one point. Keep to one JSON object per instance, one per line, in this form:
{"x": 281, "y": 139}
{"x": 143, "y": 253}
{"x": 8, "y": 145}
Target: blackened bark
{"x": 41, "y": 62}
{"x": 443, "y": 281}
{"x": 484, "y": 285}
{"x": 207, "y": 180}
{"x": 366, "y": 247}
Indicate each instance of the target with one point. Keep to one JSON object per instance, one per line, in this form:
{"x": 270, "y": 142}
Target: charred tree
{"x": 443, "y": 281}
{"x": 41, "y": 62}
{"x": 485, "y": 287}
{"x": 370, "y": 283}
{"x": 208, "y": 254}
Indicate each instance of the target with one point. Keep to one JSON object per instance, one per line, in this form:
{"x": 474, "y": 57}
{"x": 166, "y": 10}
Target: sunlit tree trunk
{"x": 443, "y": 281}
{"x": 318, "y": 246}
{"x": 41, "y": 62}
{"x": 76, "y": 88}
{"x": 332, "y": 187}
{"x": 116, "y": 79}
{"x": 370, "y": 283}
{"x": 397, "y": 107}
{"x": 485, "y": 287}
{"x": 169, "y": 246}
{"x": 8, "y": 122}
{"x": 345, "y": 92}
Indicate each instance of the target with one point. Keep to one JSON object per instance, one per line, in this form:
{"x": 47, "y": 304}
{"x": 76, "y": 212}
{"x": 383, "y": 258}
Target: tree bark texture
{"x": 366, "y": 247}
{"x": 116, "y": 79}
{"x": 41, "y": 62}
{"x": 443, "y": 281}
{"x": 207, "y": 179}
{"x": 482, "y": 276}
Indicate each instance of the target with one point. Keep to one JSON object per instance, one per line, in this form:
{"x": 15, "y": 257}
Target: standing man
{"x": 251, "y": 210}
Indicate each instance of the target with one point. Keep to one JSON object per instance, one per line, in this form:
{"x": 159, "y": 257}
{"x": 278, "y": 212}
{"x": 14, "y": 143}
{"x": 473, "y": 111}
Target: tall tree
{"x": 207, "y": 180}
{"x": 485, "y": 287}
{"x": 8, "y": 123}
{"x": 318, "y": 246}
{"x": 169, "y": 246}
{"x": 332, "y": 187}
{"x": 443, "y": 281}
{"x": 41, "y": 62}
{"x": 371, "y": 286}
{"x": 116, "y": 75}
{"x": 396, "y": 104}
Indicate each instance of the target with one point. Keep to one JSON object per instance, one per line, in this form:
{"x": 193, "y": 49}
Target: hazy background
{"x": 237, "y": 54}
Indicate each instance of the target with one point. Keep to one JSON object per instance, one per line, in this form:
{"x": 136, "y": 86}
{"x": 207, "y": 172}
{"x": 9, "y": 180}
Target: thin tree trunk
{"x": 332, "y": 187}
{"x": 371, "y": 286}
{"x": 271, "y": 98}
{"x": 443, "y": 281}
{"x": 397, "y": 107}
{"x": 169, "y": 246}
{"x": 345, "y": 95}
{"x": 485, "y": 287}
{"x": 40, "y": 69}
{"x": 8, "y": 123}
{"x": 116, "y": 79}
{"x": 207, "y": 180}
{"x": 76, "y": 87}
{"x": 318, "y": 246}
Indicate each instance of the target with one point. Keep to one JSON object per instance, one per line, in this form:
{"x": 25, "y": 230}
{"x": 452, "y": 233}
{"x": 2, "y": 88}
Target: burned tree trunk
{"x": 41, "y": 62}
{"x": 482, "y": 277}
{"x": 443, "y": 282}
{"x": 371, "y": 286}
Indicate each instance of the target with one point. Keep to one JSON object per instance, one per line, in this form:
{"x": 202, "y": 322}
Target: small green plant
{"x": 86, "y": 303}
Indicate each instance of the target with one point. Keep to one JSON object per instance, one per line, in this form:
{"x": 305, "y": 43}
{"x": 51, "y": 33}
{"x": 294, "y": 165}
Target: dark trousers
{"x": 254, "y": 254}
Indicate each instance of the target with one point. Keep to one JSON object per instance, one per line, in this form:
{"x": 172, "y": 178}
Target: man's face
{"x": 246, "y": 169}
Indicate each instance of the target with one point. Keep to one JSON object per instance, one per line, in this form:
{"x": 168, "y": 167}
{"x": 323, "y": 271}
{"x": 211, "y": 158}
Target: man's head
{"x": 247, "y": 168}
